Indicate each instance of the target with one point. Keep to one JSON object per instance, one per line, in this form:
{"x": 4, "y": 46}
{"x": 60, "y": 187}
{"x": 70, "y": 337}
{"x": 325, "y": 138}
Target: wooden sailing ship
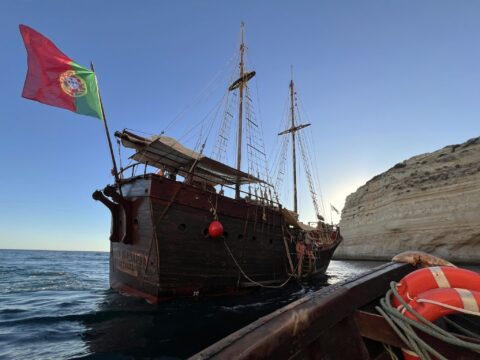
{"x": 162, "y": 242}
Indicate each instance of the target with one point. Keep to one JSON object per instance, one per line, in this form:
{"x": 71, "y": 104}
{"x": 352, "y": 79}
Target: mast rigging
{"x": 293, "y": 130}
{"x": 240, "y": 84}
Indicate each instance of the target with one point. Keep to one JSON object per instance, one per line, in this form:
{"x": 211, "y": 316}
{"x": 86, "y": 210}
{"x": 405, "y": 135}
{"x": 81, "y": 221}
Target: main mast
{"x": 293, "y": 130}
{"x": 240, "y": 111}
{"x": 240, "y": 83}
{"x": 294, "y": 156}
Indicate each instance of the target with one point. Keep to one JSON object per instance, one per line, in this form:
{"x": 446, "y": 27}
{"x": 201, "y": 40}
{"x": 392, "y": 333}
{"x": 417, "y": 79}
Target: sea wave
{"x": 58, "y": 305}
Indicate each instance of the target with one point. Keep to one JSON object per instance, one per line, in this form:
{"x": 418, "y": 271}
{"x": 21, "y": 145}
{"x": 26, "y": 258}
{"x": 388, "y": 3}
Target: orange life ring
{"x": 435, "y": 277}
{"x": 436, "y": 303}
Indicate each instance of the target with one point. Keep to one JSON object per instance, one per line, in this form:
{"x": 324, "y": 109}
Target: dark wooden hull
{"x": 160, "y": 245}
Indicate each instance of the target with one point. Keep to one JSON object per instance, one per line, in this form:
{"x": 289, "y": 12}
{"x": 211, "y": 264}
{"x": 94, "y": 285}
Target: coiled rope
{"x": 404, "y": 327}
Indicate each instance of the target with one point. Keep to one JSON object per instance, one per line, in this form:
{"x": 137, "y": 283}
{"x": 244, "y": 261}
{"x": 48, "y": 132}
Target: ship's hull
{"x": 160, "y": 245}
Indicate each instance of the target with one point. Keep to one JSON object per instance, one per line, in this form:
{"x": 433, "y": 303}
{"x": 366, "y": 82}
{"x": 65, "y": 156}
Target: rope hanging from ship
{"x": 415, "y": 302}
{"x": 155, "y": 225}
{"x": 213, "y": 210}
{"x": 295, "y": 271}
{"x": 253, "y": 281}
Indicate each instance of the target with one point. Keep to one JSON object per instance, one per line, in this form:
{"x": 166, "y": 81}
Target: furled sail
{"x": 163, "y": 151}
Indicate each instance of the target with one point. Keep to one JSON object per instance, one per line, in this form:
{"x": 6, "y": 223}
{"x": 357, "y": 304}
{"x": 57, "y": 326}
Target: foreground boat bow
{"x": 336, "y": 322}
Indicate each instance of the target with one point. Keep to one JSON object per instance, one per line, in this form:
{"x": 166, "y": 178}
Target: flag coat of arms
{"x": 55, "y": 79}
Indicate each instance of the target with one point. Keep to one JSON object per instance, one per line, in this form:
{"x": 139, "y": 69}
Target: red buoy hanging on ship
{"x": 215, "y": 229}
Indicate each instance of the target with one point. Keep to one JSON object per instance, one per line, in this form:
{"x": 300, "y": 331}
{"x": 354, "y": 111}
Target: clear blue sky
{"x": 381, "y": 81}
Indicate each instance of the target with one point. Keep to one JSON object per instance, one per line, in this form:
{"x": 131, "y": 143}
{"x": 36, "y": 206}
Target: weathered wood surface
{"x": 313, "y": 326}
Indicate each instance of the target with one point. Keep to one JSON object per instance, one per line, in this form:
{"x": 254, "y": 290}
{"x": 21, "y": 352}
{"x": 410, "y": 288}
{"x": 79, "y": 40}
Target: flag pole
{"x": 115, "y": 171}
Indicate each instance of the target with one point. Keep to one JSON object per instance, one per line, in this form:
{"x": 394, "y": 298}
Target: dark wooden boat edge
{"x": 336, "y": 322}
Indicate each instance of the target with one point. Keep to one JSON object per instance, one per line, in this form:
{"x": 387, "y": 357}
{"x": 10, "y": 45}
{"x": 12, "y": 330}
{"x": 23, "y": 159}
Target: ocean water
{"x": 58, "y": 305}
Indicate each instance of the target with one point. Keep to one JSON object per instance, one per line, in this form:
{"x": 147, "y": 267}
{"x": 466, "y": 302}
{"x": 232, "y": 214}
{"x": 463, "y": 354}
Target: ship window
{"x": 182, "y": 227}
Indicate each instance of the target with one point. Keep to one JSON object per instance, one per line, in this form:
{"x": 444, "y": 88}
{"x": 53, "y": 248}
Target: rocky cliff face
{"x": 430, "y": 202}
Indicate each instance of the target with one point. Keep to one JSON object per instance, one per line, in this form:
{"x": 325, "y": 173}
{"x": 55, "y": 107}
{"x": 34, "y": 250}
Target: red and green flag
{"x": 55, "y": 79}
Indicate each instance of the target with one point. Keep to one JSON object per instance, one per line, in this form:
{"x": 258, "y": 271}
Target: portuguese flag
{"x": 55, "y": 79}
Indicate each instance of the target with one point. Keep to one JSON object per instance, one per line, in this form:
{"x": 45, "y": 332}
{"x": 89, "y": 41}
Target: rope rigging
{"x": 293, "y": 122}
{"x": 221, "y": 116}
{"x": 216, "y": 82}
{"x": 197, "y": 129}
{"x": 219, "y": 151}
{"x": 254, "y": 141}
{"x": 310, "y": 167}
{"x": 404, "y": 327}
{"x": 256, "y": 155}
{"x": 310, "y": 145}
{"x": 279, "y": 163}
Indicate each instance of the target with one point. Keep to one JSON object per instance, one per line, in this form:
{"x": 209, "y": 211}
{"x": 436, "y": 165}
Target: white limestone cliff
{"x": 430, "y": 202}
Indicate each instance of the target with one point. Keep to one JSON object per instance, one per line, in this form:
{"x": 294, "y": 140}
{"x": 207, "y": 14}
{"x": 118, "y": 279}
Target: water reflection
{"x": 127, "y": 327}
{"x": 132, "y": 328}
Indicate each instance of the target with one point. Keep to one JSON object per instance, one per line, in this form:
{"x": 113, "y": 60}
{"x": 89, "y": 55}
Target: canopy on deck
{"x": 163, "y": 151}
{"x": 291, "y": 218}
